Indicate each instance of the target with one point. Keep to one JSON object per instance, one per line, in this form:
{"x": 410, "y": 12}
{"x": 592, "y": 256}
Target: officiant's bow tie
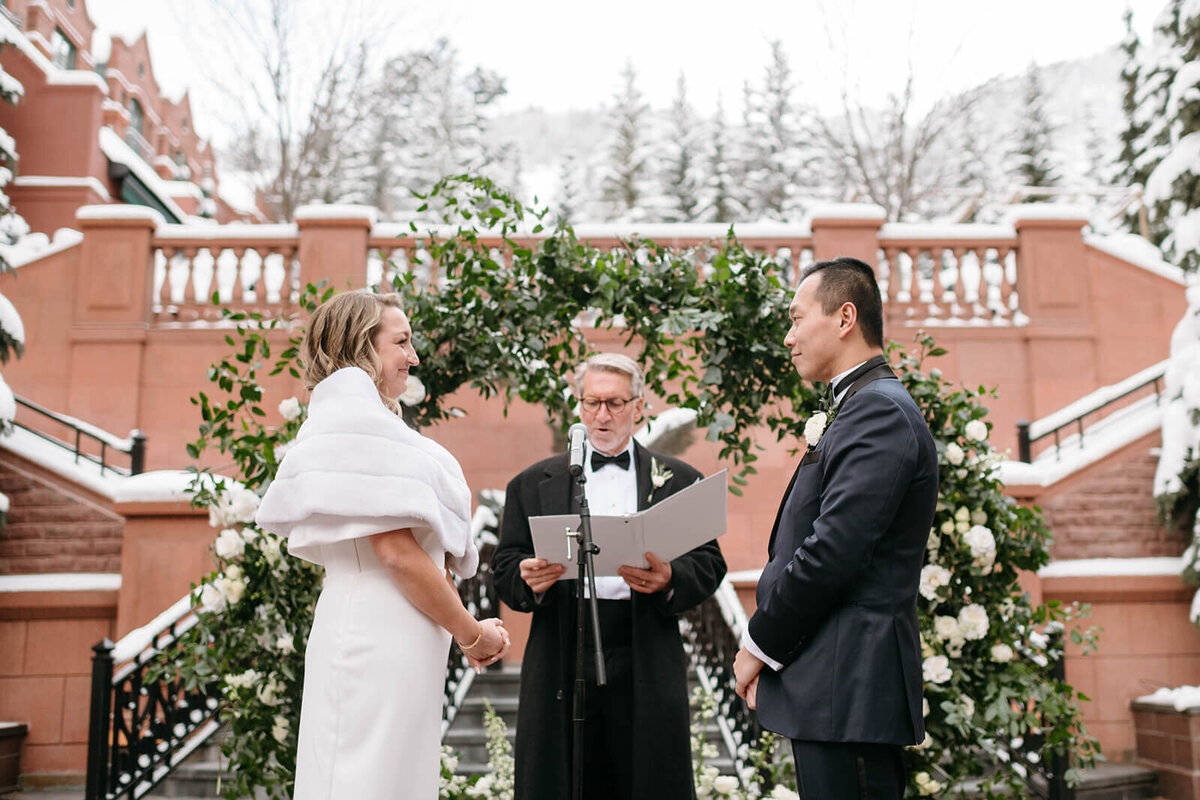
{"x": 620, "y": 460}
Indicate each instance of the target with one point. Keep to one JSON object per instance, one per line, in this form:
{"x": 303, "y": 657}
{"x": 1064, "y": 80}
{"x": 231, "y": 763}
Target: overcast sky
{"x": 561, "y": 54}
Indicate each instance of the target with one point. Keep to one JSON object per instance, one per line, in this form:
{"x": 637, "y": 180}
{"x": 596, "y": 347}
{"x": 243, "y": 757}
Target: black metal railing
{"x": 141, "y": 727}
{"x": 1030, "y": 433}
{"x": 134, "y": 446}
{"x": 712, "y": 635}
{"x": 478, "y": 594}
{"x": 1046, "y": 768}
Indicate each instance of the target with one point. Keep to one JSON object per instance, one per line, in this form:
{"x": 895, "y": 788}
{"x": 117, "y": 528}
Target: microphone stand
{"x": 583, "y": 559}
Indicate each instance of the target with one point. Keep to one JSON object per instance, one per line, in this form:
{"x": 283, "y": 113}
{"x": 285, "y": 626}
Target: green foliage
{"x": 1177, "y": 510}
{"x": 497, "y": 783}
{"x": 707, "y": 324}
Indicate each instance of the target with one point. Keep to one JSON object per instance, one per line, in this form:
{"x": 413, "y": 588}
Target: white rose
{"x": 982, "y": 544}
{"x": 268, "y": 693}
{"x": 924, "y": 706}
{"x": 976, "y": 430}
{"x": 725, "y": 784}
{"x": 285, "y": 643}
{"x": 948, "y": 527}
{"x": 973, "y": 621}
{"x": 244, "y": 505}
{"x": 281, "y": 728}
{"x": 963, "y": 514}
{"x": 211, "y": 598}
{"x": 220, "y": 515}
{"x": 933, "y": 578}
{"x": 967, "y": 705}
{"x": 783, "y": 793}
{"x": 954, "y": 454}
{"x": 230, "y": 544}
{"x": 290, "y": 409}
{"x": 979, "y": 517}
{"x": 243, "y": 679}
{"x": 936, "y": 669}
{"x": 270, "y": 549}
{"x": 962, "y": 527}
{"x": 231, "y": 589}
{"x": 233, "y": 572}
{"x": 814, "y": 427}
{"x": 946, "y": 628}
{"x": 1001, "y": 653}
{"x": 414, "y": 391}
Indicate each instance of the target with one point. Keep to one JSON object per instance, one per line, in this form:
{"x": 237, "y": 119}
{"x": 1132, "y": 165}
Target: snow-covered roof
{"x": 61, "y": 582}
{"x": 119, "y": 211}
{"x": 1100, "y": 440}
{"x": 54, "y": 74}
{"x": 116, "y": 150}
{"x": 37, "y": 246}
{"x": 1135, "y": 250}
{"x": 86, "y": 181}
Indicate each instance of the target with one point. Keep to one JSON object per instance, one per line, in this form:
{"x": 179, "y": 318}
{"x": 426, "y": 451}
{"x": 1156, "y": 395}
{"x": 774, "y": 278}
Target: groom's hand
{"x": 746, "y": 667}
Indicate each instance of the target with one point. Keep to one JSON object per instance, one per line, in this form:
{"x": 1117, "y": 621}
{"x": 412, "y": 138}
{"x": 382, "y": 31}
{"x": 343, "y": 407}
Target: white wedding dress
{"x": 375, "y": 666}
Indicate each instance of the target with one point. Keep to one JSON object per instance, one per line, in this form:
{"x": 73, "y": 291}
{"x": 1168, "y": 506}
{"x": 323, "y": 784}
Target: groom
{"x": 836, "y": 624}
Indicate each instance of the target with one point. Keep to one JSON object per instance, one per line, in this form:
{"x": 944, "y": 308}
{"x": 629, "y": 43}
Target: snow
{"x": 8, "y": 403}
{"x": 1089, "y": 567}
{"x": 37, "y": 246}
{"x": 1182, "y": 159}
{"x": 1101, "y": 439}
{"x": 139, "y": 639}
{"x": 119, "y": 211}
{"x": 670, "y": 420}
{"x": 1093, "y": 401}
{"x": 3, "y": 503}
{"x": 183, "y": 189}
{"x": 1039, "y": 211}
{"x": 58, "y": 180}
{"x": 223, "y": 233}
{"x": 60, "y": 461}
{"x": 61, "y": 582}
{"x": 1179, "y": 433}
{"x": 1137, "y": 251}
{"x": 10, "y": 321}
{"x": 1182, "y": 698}
{"x": 160, "y": 486}
{"x": 860, "y": 211}
{"x": 1186, "y": 232}
{"x": 116, "y": 150}
{"x": 334, "y": 211}
{"x": 892, "y": 231}
{"x": 1185, "y": 83}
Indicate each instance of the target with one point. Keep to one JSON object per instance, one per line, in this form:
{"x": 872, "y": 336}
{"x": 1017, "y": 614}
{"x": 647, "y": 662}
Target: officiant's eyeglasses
{"x": 615, "y": 404}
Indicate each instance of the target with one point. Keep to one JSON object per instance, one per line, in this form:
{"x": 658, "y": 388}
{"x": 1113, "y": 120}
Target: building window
{"x": 62, "y": 50}
{"x": 141, "y": 70}
{"x": 180, "y": 159}
{"x": 70, "y": 3}
{"x": 137, "y": 117}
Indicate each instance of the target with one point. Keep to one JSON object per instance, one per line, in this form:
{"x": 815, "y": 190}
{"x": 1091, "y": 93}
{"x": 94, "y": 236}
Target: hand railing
{"x": 134, "y": 446}
{"x": 712, "y": 633}
{"x": 140, "y": 727}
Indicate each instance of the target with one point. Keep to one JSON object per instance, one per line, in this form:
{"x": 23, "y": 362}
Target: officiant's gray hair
{"x": 613, "y": 362}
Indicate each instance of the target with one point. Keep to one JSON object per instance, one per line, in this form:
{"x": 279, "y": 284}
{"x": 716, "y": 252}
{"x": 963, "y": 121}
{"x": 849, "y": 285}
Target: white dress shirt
{"x": 611, "y": 492}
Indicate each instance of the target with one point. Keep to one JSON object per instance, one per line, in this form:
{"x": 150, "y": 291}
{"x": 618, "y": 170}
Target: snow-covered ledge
{"x": 62, "y": 582}
{"x": 317, "y": 212}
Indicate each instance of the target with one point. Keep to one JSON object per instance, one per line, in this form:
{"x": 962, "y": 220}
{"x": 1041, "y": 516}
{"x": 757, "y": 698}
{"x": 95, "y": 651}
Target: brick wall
{"x": 51, "y": 528}
{"x": 1168, "y": 741}
{"x": 1108, "y": 511}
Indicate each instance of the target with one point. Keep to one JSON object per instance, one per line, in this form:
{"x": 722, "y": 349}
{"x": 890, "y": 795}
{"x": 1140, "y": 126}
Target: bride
{"x": 385, "y": 511}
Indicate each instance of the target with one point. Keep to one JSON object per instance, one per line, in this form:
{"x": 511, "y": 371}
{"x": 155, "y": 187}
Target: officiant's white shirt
{"x": 611, "y": 492}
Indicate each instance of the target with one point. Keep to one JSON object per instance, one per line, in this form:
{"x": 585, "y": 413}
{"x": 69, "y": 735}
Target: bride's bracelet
{"x": 474, "y": 644}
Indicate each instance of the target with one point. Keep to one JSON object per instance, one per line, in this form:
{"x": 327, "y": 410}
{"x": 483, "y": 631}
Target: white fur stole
{"x": 356, "y": 469}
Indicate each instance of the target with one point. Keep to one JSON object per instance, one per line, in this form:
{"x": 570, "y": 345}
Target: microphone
{"x": 576, "y": 436}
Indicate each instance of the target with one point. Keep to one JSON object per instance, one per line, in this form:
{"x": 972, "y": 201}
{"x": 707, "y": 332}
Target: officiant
{"x": 636, "y": 740}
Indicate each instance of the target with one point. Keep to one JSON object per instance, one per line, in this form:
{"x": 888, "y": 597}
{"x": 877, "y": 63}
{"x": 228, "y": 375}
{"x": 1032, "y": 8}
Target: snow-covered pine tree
{"x": 1131, "y": 171}
{"x": 569, "y": 200}
{"x": 778, "y": 161}
{"x": 12, "y": 226}
{"x": 623, "y": 185}
{"x": 720, "y": 196}
{"x": 1032, "y": 160}
{"x": 680, "y": 184}
{"x": 1173, "y": 187}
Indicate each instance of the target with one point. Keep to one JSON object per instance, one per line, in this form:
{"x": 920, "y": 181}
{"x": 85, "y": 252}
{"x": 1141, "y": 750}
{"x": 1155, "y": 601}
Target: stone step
{"x": 21, "y": 513}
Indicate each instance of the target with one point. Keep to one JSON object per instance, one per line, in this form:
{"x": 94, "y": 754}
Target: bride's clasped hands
{"x": 489, "y": 645}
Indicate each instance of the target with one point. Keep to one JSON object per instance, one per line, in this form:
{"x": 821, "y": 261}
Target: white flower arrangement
{"x": 1002, "y": 653}
{"x": 973, "y": 621}
{"x": 976, "y": 430}
{"x": 814, "y": 428}
{"x": 926, "y": 785}
{"x": 954, "y": 454}
{"x": 933, "y": 577}
{"x": 414, "y": 391}
{"x": 290, "y": 409}
{"x": 936, "y": 669}
{"x": 281, "y": 728}
{"x": 659, "y": 475}
{"x": 229, "y": 544}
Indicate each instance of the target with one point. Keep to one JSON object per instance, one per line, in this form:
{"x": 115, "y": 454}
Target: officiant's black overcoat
{"x": 661, "y": 746}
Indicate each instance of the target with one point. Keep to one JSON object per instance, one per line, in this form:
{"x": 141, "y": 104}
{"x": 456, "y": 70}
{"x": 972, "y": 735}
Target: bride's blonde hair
{"x": 340, "y": 334}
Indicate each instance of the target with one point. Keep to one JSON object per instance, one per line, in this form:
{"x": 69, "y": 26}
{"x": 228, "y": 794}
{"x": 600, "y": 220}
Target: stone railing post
{"x": 1054, "y": 292}
{"x": 333, "y": 245}
{"x": 847, "y": 229}
{"x": 112, "y": 313}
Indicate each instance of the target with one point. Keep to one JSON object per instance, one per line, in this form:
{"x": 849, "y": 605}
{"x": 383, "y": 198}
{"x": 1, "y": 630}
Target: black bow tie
{"x": 599, "y": 460}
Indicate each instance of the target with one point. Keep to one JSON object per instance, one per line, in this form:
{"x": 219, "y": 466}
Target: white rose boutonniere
{"x": 814, "y": 427}
{"x": 659, "y": 475}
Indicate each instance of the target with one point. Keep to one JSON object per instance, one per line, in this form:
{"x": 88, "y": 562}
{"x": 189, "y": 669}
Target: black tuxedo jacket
{"x": 662, "y": 753}
{"x": 837, "y": 601}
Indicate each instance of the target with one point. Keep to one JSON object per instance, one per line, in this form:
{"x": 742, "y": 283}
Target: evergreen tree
{"x": 680, "y": 185}
{"x": 1173, "y": 187}
{"x": 1032, "y": 159}
{"x": 720, "y": 202}
{"x": 623, "y": 185}
{"x": 12, "y": 226}
{"x": 778, "y": 160}
{"x": 569, "y": 200}
{"x": 1131, "y": 172}
{"x": 1097, "y": 168}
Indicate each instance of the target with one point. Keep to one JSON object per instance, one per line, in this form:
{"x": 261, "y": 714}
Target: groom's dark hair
{"x": 848, "y": 280}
